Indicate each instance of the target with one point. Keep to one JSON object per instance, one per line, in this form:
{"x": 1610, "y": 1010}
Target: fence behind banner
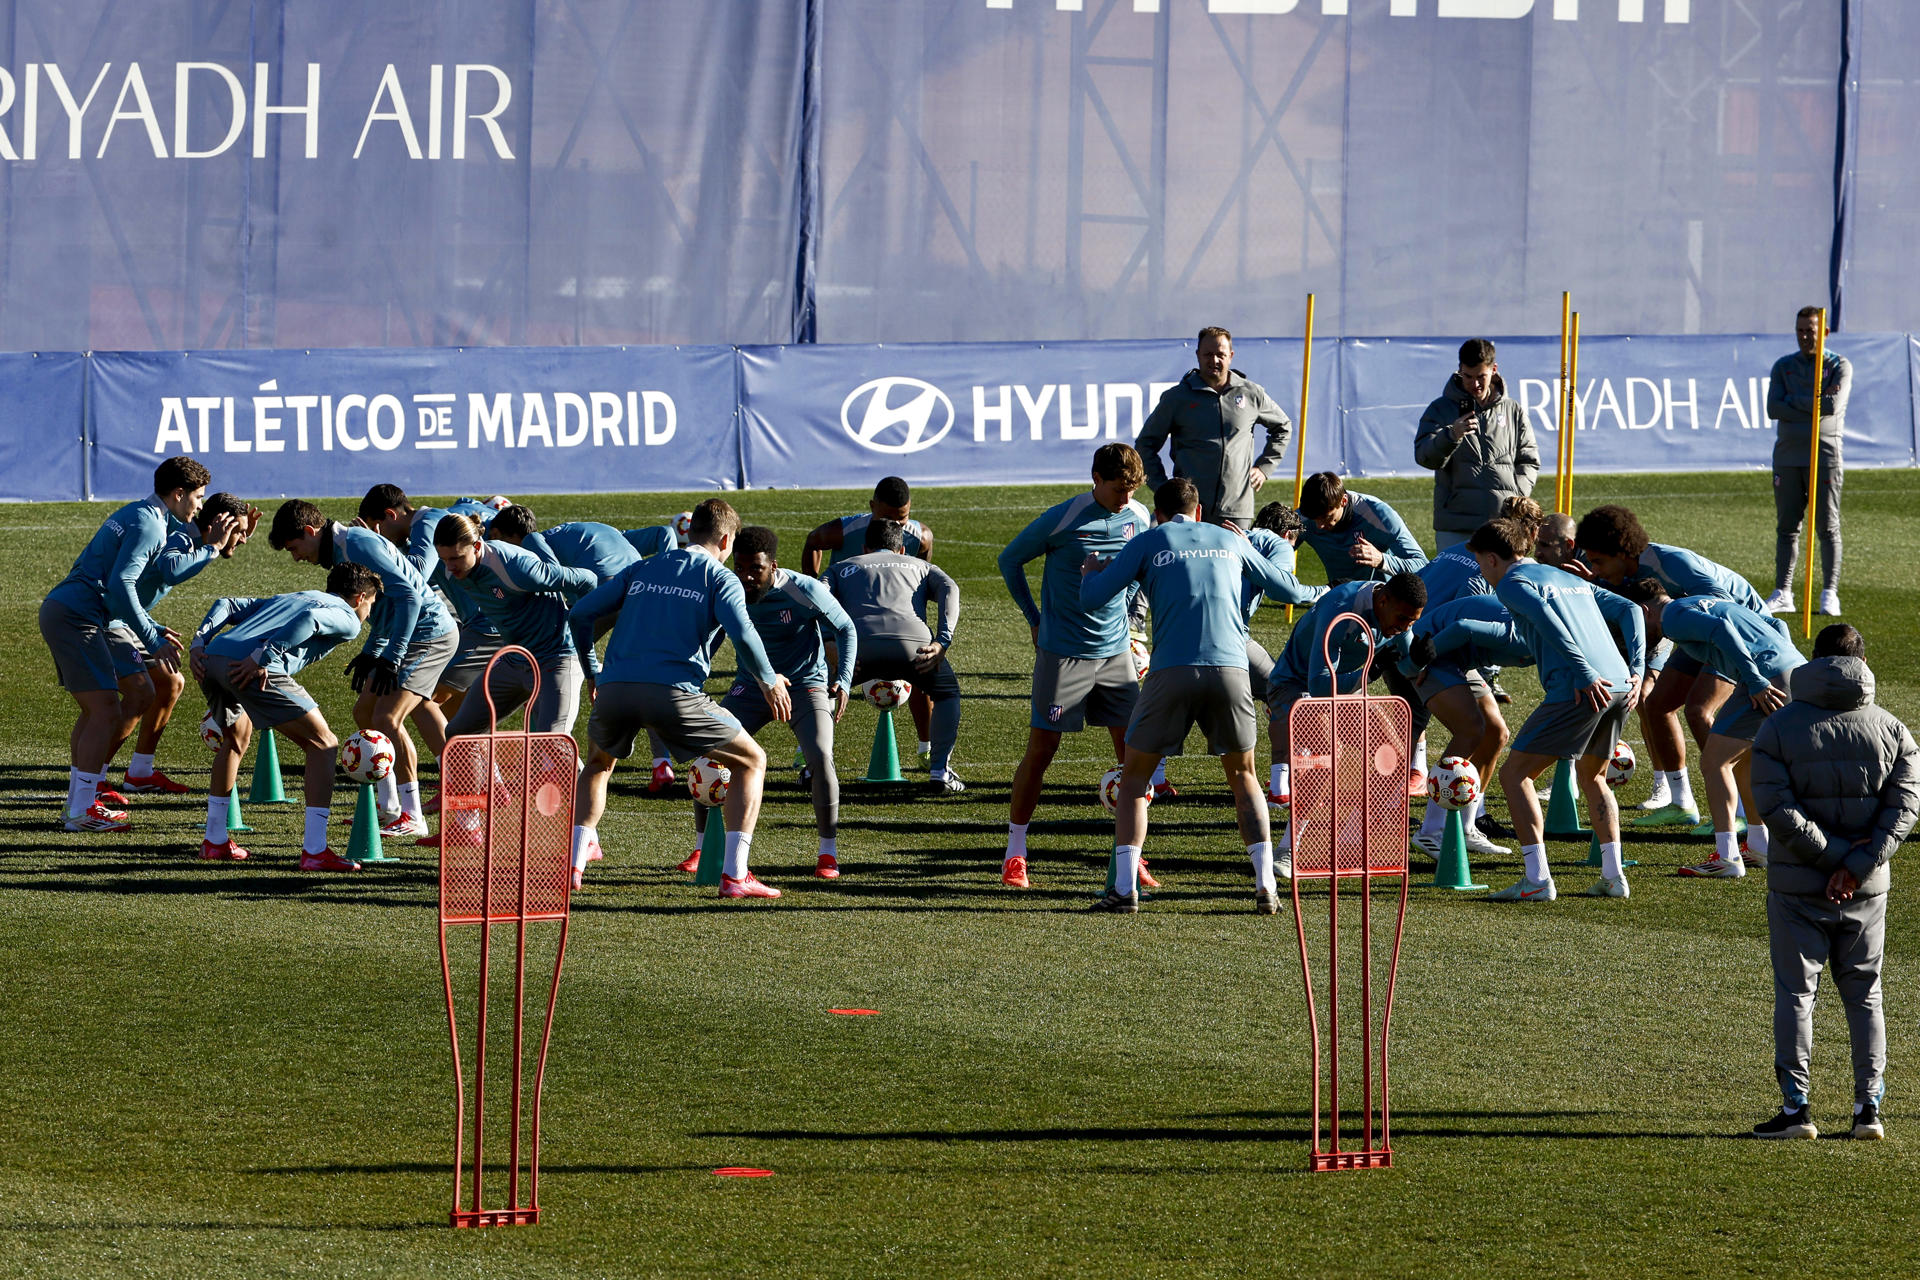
{"x": 276, "y": 423}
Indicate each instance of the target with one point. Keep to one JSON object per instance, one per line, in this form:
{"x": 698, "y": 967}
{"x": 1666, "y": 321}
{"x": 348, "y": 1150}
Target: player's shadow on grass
{"x": 444, "y": 1168}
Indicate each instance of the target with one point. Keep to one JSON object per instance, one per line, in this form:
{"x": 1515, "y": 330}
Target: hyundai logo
{"x": 1163, "y": 559}
{"x": 904, "y": 427}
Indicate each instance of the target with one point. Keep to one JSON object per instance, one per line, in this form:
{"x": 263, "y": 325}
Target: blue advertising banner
{"x": 981, "y": 413}
{"x": 1642, "y": 404}
{"x": 42, "y": 426}
{"x": 332, "y": 423}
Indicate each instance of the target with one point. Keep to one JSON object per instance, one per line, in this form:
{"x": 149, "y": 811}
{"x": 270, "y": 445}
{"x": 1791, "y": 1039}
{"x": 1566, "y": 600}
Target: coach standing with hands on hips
{"x": 1476, "y": 440}
{"x": 1208, "y": 417}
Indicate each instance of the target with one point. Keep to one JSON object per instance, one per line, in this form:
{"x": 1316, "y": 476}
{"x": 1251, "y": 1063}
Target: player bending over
{"x": 1082, "y": 667}
{"x": 411, "y": 637}
{"x": 885, "y": 591}
{"x": 1617, "y": 550}
{"x": 1191, "y": 573}
{"x": 149, "y": 690}
{"x": 793, "y": 615}
{"x": 1758, "y": 652}
{"x": 245, "y": 655}
{"x": 1589, "y": 688}
{"x": 658, "y": 657}
{"x": 101, "y": 588}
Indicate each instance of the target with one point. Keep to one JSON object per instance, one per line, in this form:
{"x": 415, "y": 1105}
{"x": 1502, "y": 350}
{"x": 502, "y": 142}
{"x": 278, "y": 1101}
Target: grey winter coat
{"x": 1482, "y": 469}
{"x": 1837, "y": 780}
{"x": 1212, "y": 435}
{"x": 1790, "y": 403}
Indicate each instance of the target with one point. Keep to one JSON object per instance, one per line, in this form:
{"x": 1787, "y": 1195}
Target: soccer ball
{"x": 499, "y": 502}
{"x": 1453, "y": 783}
{"x": 1141, "y": 655}
{"x": 708, "y": 782}
{"x": 1110, "y": 790}
{"x": 212, "y": 732}
{"x": 683, "y": 527}
{"x": 887, "y": 694}
{"x": 367, "y": 756}
{"x": 1620, "y": 765}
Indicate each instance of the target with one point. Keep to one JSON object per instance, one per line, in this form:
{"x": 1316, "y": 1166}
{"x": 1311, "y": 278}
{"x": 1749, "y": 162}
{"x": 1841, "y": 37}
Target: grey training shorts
{"x": 1564, "y": 730}
{"x": 81, "y": 653}
{"x": 426, "y": 663}
{"x": 475, "y": 648}
{"x": 1442, "y": 676}
{"x": 1739, "y": 718}
{"x": 282, "y": 700}
{"x": 1071, "y": 693}
{"x": 691, "y": 724}
{"x": 1174, "y": 699}
{"x": 129, "y": 659}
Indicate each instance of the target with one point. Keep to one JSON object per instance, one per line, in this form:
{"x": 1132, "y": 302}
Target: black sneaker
{"x": 1114, "y": 900}
{"x": 1866, "y": 1124}
{"x": 1494, "y": 829}
{"x": 1500, "y": 695}
{"x": 1787, "y": 1124}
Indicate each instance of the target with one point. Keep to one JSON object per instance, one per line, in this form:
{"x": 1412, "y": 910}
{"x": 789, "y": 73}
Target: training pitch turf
{"x": 243, "y": 1070}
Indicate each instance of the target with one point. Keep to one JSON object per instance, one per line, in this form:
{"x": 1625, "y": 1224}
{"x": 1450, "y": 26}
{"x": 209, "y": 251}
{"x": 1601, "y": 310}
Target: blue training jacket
{"x": 1065, "y": 534}
{"x": 672, "y": 610}
{"x": 1684, "y": 573}
{"x": 1382, "y": 526}
{"x": 1281, "y": 555}
{"x": 1191, "y": 574}
{"x": 103, "y": 585}
{"x": 282, "y": 633}
{"x": 525, "y": 598}
{"x": 1563, "y": 620}
{"x": 792, "y": 618}
{"x": 1302, "y": 663}
{"x": 1753, "y": 649}
{"x": 408, "y": 612}
{"x": 1452, "y": 574}
{"x": 1472, "y": 631}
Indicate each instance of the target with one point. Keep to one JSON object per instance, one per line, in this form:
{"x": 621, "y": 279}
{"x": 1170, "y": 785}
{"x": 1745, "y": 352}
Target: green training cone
{"x": 1563, "y": 806}
{"x": 799, "y": 757}
{"x": 266, "y": 788}
{"x": 883, "y": 765}
{"x": 234, "y": 821}
{"x": 363, "y": 845}
{"x": 1593, "y": 855}
{"x": 1450, "y": 871}
{"x": 713, "y": 850}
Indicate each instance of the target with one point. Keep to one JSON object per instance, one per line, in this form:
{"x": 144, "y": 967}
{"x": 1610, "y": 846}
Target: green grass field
{"x": 242, "y": 1070}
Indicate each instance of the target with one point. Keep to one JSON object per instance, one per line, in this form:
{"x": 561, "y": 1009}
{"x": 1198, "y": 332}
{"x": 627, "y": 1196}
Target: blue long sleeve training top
{"x": 1382, "y": 526}
{"x": 1563, "y": 620}
{"x": 651, "y": 541}
{"x": 792, "y": 619}
{"x": 103, "y": 585}
{"x": 1191, "y": 574}
{"x": 525, "y": 598}
{"x": 1302, "y": 662}
{"x": 1473, "y": 631}
{"x": 1684, "y": 573}
{"x": 673, "y": 609}
{"x": 407, "y": 612}
{"x": 1065, "y": 534}
{"x": 1451, "y": 574}
{"x": 600, "y": 549}
{"x": 283, "y": 633}
{"x": 1744, "y": 645}
{"x": 1281, "y": 555}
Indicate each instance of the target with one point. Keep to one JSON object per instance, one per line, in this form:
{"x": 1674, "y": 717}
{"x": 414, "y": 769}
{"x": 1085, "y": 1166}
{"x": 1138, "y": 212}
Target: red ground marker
{"x": 734, "y": 1171}
{"x": 856, "y": 1013}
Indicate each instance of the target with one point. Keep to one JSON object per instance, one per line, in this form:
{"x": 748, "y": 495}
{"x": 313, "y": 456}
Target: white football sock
{"x": 1435, "y": 821}
{"x": 386, "y": 793}
{"x": 926, "y": 747}
{"x": 1679, "y": 790}
{"x": 141, "y": 765}
{"x": 1261, "y": 855}
{"x": 583, "y": 839}
{"x": 1126, "y": 869}
{"x": 1160, "y": 773}
{"x": 1610, "y": 861}
{"x": 1662, "y": 793}
{"x": 79, "y": 793}
{"x": 660, "y": 760}
{"x": 1757, "y": 840}
{"x": 735, "y": 863}
{"x": 1016, "y": 840}
{"x": 829, "y": 848}
{"x": 315, "y": 840}
{"x": 1536, "y": 856}
{"x": 410, "y": 796}
{"x": 1726, "y": 845}
{"x": 90, "y": 789}
{"x": 1279, "y": 778}
{"x": 1420, "y": 755}
{"x": 217, "y": 820}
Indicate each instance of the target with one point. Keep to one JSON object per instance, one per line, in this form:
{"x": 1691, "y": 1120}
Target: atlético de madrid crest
{"x": 1055, "y": 711}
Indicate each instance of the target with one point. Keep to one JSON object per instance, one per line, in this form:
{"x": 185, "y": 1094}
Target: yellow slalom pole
{"x": 1573, "y": 409}
{"x": 1813, "y": 464}
{"x": 1560, "y": 407}
{"x": 1300, "y": 446}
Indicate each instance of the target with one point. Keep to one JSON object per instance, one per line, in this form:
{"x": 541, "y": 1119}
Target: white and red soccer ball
{"x": 1141, "y": 655}
{"x": 1621, "y": 764}
{"x": 1110, "y": 790}
{"x": 212, "y": 732}
{"x": 683, "y": 527}
{"x": 1453, "y": 783}
{"x": 367, "y": 756}
{"x": 888, "y": 694}
{"x": 708, "y": 782}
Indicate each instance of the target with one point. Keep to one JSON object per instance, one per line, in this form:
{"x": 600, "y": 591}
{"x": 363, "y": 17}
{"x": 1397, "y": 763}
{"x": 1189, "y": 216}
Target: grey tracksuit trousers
{"x": 1806, "y": 934}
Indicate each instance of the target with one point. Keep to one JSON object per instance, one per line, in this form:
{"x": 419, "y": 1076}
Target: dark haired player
{"x": 103, "y": 587}
{"x": 245, "y": 654}
{"x": 1588, "y": 687}
{"x": 1082, "y": 666}
{"x": 1358, "y": 538}
{"x": 885, "y": 592}
{"x": 1191, "y": 573}
{"x": 672, "y": 608}
{"x": 411, "y": 637}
